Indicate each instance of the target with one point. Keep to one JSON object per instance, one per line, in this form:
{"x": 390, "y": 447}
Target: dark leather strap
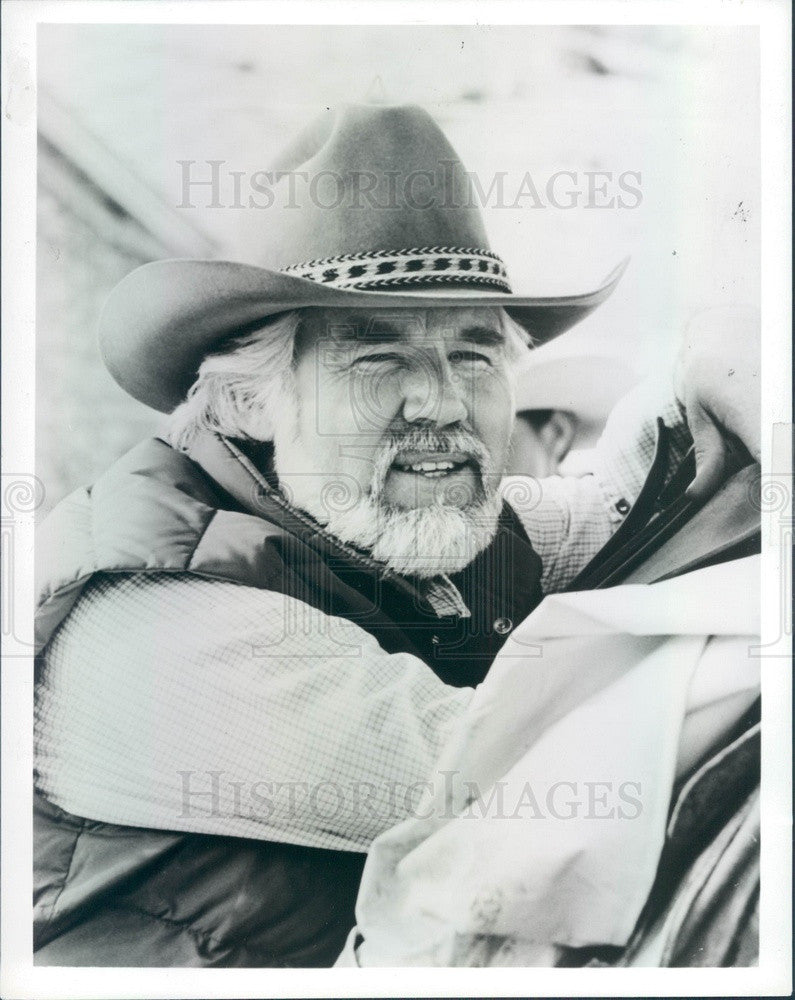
{"x": 679, "y": 534}
{"x": 641, "y": 511}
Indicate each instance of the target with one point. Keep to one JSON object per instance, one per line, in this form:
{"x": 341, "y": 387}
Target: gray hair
{"x": 241, "y": 390}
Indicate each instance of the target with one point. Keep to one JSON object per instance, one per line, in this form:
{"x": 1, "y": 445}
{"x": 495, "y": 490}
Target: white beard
{"x": 421, "y": 541}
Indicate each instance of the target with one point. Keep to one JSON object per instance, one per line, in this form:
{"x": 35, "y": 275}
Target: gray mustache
{"x": 426, "y": 439}
{"x": 433, "y": 440}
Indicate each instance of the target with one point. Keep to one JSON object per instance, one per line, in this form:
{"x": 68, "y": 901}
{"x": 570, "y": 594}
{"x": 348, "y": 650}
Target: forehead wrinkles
{"x": 411, "y": 326}
{"x": 461, "y": 317}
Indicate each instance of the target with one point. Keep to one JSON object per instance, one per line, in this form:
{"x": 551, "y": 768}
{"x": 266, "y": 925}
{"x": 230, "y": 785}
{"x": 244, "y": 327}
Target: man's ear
{"x": 558, "y": 433}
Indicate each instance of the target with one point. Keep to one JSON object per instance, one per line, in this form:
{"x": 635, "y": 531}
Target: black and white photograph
{"x": 397, "y": 529}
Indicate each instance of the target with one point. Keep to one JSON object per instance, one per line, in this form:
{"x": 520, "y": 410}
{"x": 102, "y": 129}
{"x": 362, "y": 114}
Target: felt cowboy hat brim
{"x": 388, "y": 219}
{"x": 165, "y": 317}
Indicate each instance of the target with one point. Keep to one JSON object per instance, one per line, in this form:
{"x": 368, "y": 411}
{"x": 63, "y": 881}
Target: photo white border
{"x": 19, "y": 978}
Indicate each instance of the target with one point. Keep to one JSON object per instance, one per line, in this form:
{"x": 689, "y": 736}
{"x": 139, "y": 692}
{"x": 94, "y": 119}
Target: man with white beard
{"x": 258, "y": 630}
{"x": 418, "y": 465}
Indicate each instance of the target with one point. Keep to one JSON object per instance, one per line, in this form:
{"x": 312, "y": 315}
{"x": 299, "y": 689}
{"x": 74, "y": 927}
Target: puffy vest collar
{"x": 154, "y": 510}
{"x": 214, "y": 514}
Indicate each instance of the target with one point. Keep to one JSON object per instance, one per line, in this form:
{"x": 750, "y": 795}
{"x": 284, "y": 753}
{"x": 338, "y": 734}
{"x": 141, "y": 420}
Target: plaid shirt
{"x": 178, "y": 703}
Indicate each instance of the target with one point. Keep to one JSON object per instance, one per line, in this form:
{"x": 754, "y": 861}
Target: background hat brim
{"x": 587, "y": 385}
{"x": 162, "y": 319}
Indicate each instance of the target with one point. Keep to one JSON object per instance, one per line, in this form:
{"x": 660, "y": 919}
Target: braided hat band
{"x": 411, "y": 267}
{"x": 417, "y": 257}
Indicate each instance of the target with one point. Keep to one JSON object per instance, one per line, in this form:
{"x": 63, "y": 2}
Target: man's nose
{"x": 433, "y": 393}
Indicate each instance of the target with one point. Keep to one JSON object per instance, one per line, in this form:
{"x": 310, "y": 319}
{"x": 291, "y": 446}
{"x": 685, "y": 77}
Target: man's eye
{"x": 377, "y": 359}
{"x": 472, "y": 359}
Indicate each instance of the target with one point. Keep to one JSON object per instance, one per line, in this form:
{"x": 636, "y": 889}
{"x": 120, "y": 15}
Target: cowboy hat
{"x": 385, "y": 217}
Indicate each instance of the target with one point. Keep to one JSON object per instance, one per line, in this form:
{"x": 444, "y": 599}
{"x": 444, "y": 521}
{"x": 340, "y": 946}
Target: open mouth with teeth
{"x": 431, "y": 469}
{"x": 417, "y": 479}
